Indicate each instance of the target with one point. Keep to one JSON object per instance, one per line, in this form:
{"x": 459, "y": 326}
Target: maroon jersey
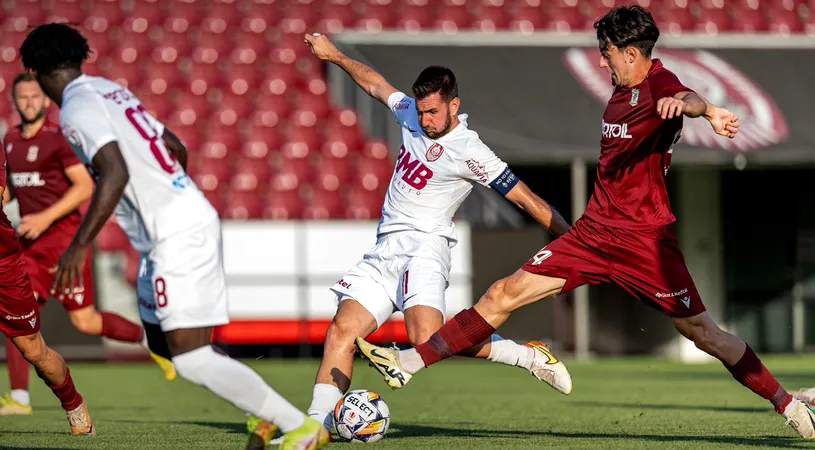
{"x": 36, "y": 168}
{"x": 635, "y": 153}
{"x": 8, "y": 237}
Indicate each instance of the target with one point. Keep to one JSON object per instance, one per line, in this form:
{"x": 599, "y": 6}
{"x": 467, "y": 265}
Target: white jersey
{"x": 160, "y": 199}
{"x": 433, "y": 177}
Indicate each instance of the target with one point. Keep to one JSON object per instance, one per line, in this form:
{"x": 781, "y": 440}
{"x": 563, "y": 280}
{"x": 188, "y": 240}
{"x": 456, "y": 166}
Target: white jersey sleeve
{"x": 404, "y": 108}
{"x": 484, "y": 167}
{"x": 87, "y": 123}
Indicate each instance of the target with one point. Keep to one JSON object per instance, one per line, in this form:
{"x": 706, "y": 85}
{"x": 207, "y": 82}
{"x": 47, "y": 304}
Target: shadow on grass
{"x": 742, "y": 409}
{"x": 405, "y": 431}
{"x": 230, "y": 427}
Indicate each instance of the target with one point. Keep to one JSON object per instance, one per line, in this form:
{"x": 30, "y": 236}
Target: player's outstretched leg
{"x": 18, "y": 401}
{"x": 466, "y": 330}
{"x": 196, "y": 361}
{"x": 336, "y": 369}
{"x": 52, "y": 369}
{"x": 747, "y": 369}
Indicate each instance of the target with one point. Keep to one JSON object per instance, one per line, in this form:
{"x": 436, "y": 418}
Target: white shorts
{"x": 182, "y": 283}
{"x": 404, "y": 269}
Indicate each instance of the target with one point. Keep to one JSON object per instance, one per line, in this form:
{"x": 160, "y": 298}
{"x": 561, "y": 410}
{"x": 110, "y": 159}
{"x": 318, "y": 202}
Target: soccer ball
{"x": 362, "y": 416}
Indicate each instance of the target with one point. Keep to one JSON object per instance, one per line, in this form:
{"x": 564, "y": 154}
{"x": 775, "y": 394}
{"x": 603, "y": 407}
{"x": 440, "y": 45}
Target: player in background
{"x": 408, "y": 268}
{"x": 50, "y": 184}
{"x": 164, "y": 214}
{"x": 626, "y": 235}
{"x": 19, "y": 321}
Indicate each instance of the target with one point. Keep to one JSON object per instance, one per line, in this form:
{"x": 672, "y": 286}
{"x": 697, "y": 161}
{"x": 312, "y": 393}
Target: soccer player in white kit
{"x": 165, "y": 216}
{"x": 408, "y": 269}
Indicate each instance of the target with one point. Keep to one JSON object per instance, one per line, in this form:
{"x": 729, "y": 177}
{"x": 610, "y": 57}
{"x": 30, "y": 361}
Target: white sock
{"x": 239, "y": 385}
{"x": 509, "y": 352}
{"x": 790, "y": 406}
{"x": 21, "y": 396}
{"x": 323, "y": 401}
{"x": 411, "y": 360}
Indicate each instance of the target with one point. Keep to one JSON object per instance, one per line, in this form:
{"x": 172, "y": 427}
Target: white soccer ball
{"x": 362, "y": 416}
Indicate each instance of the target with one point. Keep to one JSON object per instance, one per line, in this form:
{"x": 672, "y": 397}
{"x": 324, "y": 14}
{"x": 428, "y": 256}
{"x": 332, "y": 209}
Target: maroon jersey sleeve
{"x": 3, "y": 159}
{"x": 66, "y": 155}
{"x": 665, "y": 83}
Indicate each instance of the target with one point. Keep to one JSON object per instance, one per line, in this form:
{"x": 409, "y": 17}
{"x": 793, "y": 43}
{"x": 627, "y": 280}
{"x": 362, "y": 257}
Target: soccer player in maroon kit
{"x": 50, "y": 183}
{"x": 19, "y": 321}
{"x": 626, "y": 235}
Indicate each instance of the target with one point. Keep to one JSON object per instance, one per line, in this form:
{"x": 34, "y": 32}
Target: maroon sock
{"x": 18, "y": 372}
{"x": 464, "y": 331}
{"x": 118, "y": 328}
{"x": 750, "y": 372}
{"x": 67, "y": 394}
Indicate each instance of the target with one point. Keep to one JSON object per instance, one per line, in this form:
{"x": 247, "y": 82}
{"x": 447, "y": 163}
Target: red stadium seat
{"x": 491, "y": 18}
{"x": 183, "y": 14}
{"x": 126, "y": 74}
{"x": 23, "y": 16}
{"x": 713, "y": 21}
{"x": 260, "y": 18}
{"x": 336, "y": 148}
{"x": 316, "y": 103}
{"x": 221, "y": 140}
{"x": 270, "y": 110}
{"x": 331, "y": 174}
{"x": 133, "y": 47}
{"x": 279, "y": 79}
{"x": 567, "y": 19}
{"x": 100, "y": 42}
{"x": 251, "y": 173}
{"x": 210, "y": 175}
{"x": 675, "y": 21}
{"x": 377, "y": 149}
{"x": 336, "y": 18}
{"x": 373, "y": 174}
{"x": 233, "y": 107}
{"x": 171, "y": 46}
{"x": 221, "y": 17}
{"x": 262, "y": 142}
{"x": 750, "y": 21}
{"x": 189, "y": 135}
{"x": 111, "y": 238}
{"x": 217, "y": 199}
{"x": 211, "y": 47}
{"x": 67, "y": 11}
{"x": 785, "y": 22}
{"x": 202, "y": 77}
{"x": 250, "y": 48}
{"x": 415, "y": 18}
{"x": 302, "y": 140}
{"x": 294, "y": 43}
{"x": 324, "y": 205}
{"x": 527, "y": 19}
{"x": 291, "y": 173}
{"x": 191, "y": 103}
{"x": 452, "y": 18}
{"x": 377, "y": 18}
{"x": 298, "y": 18}
{"x": 143, "y": 16}
{"x": 364, "y": 205}
{"x": 161, "y": 77}
{"x": 243, "y": 205}
{"x": 104, "y": 15}
{"x": 157, "y": 104}
{"x": 240, "y": 78}
{"x": 284, "y": 205}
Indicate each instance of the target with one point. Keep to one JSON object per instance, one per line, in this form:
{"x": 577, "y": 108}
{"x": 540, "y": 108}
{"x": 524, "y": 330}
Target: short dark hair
{"x": 54, "y": 46}
{"x": 628, "y": 26}
{"x": 22, "y": 77}
{"x": 436, "y": 79}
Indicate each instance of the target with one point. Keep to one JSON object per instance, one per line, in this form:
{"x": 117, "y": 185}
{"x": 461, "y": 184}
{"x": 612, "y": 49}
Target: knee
{"x": 192, "y": 365}
{"x": 707, "y": 339}
{"x": 341, "y": 334}
{"x": 497, "y": 297}
{"x": 85, "y": 322}
{"x": 33, "y": 348}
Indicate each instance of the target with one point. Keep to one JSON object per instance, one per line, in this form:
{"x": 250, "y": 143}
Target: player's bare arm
{"x": 34, "y": 225}
{"x": 691, "y": 104}
{"x": 538, "y": 208}
{"x": 113, "y": 178}
{"x": 366, "y": 78}
{"x": 175, "y": 147}
{"x": 6, "y": 196}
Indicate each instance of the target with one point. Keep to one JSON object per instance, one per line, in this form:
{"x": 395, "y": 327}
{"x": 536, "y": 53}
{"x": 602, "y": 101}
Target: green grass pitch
{"x": 617, "y": 403}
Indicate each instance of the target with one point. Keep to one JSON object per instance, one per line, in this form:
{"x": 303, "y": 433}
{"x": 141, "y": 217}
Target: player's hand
{"x": 321, "y": 47}
{"x": 724, "y": 122}
{"x": 669, "y": 107}
{"x": 68, "y": 279}
{"x": 33, "y": 226}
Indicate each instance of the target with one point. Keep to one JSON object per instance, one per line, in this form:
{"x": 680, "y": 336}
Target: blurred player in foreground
{"x": 408, "y": 269}
{"x": 139, "y": 166}
{"x": 20, "y": 322}
{"x": 625, "y": 236}
{"x": 50, "y": 184}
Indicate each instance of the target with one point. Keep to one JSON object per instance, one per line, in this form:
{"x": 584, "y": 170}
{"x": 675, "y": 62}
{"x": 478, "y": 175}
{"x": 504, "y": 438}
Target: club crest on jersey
{"x": 434, "y": 152}
{"x": 635, "y": 97}
{"x": 32, "y": 153}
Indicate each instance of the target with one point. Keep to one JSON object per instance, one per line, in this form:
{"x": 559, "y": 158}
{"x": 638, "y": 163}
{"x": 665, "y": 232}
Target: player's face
{"x": 436, "y": 115}
{"x": 30, "y": 101}
{"x": 613, "y": 60}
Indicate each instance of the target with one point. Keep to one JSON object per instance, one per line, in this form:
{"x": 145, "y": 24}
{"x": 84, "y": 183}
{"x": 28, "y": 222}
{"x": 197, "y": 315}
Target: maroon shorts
{"x": 19, "y": 312}
{"x": 646, "y": 263}
{"x": 40, "y": 258}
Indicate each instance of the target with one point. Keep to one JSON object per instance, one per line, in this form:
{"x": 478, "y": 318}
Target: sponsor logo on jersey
{"x": 414, "y": 173}
{"x": 479, "y": 170}
{"x": 403, "y": 104}
{"x": 715, "y": 79}
{"x": 25, "y": 317}
{"x": 672, "y": 294}
{"x": 27, "y": 179}
{"x": 434, "y": 152}
{"x": 615, "y": 130}
{"x": 32, "y": 153}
